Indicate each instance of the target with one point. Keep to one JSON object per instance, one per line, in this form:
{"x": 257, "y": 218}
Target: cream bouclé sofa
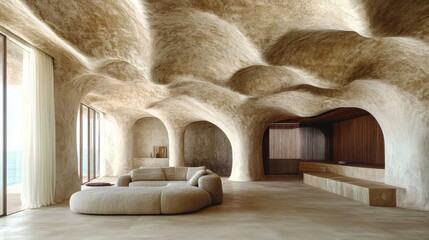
{"x": 174, "y": 176}
{"x": 169, "y": 190}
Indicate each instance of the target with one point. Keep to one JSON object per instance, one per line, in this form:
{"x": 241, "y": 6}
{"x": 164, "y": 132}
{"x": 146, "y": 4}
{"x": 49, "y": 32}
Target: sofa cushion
{"x": 147, "y": 174}
{"x": 148, "y": 184}
{"x": 117, "y": 200}
{"x": 183, "y": 198}
{"x": 194, "y": 179}
{"x": 176, "y": 173}
{"x": 156, "y": 183}
{"x": 192, "y": 170}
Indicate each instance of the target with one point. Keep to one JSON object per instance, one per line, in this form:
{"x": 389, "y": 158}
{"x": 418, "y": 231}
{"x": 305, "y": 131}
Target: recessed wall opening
{"x": 207, "y": 145}
{"x": 347, "y": 136}
{"x": 150, "y": 143}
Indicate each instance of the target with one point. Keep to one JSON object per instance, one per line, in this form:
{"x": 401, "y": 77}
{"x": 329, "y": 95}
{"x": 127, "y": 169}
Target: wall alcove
{"x": 348, "y": 136}
{"x": 148, "y": 133}
{"x": 207, "y": 145}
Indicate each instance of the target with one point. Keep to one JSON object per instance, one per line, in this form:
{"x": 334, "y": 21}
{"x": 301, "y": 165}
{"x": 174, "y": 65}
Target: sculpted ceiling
{"x": 154, "y": 57}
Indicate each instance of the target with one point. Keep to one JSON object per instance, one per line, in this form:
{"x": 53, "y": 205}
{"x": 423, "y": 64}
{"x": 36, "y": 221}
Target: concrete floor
{"x": 277, "y": 208}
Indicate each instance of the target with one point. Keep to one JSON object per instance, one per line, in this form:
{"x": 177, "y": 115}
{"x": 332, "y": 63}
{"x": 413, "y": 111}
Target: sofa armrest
{"x": 213, "y": 185}
{"x": 123, "y": 180}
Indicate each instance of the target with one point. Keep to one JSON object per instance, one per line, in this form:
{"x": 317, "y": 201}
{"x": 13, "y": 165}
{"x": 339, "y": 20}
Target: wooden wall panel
{"x": 265, "y": 151}
{"x": 313, "y": 144}
{"x": 350, "y": 135}
{"x": 285, "y": 144}
{"x": 284, "y": 166}
{"x": 358, "y": 140}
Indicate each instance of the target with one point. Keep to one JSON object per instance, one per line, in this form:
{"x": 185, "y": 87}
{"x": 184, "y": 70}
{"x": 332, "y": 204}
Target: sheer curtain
{"x": 38, "y": 176}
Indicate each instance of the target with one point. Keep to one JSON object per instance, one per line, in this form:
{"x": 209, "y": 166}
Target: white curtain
{"x": 38, "y": 176}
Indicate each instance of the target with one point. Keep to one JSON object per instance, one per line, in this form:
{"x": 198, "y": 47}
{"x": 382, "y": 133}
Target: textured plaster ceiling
{"x": 225, "y": 55}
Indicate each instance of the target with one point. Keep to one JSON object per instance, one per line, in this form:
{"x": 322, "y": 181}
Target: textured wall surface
{"x": 239, "y": 64}
{"x": 206, "y": 145}
{"x": 148, "y": 132}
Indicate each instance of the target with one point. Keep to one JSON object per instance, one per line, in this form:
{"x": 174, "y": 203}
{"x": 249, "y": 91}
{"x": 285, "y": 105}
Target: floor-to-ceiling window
{"x": 14, "y": 70}
{"x": 17, "y": 69}
{"x": 88, "y": 143}
{"x": 27, "y": 126}
{"x": 2, "y": 94}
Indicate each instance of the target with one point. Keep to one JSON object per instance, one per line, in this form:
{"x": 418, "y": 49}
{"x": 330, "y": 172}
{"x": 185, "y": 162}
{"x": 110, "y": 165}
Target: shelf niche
{"x": 148, "y": 133}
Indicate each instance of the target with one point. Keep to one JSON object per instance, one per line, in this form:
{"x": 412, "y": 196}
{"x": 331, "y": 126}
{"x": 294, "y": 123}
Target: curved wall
{"x": 206, "y": 145}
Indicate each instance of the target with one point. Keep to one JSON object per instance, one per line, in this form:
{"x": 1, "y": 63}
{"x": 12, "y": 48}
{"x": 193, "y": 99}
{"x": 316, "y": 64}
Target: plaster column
{"x": 119, "y": 144}
{"x": 176, "y": 137}
{"x": 406, "y": 153}
{"x": 66, "y": 107}
{"x": 246, "y": 145}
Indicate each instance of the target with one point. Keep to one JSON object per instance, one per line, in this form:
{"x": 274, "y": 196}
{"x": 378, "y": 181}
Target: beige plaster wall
{"x": 206, "y": 145}
{"x": 147, "y": 133}
{"x": 118, "y": 140}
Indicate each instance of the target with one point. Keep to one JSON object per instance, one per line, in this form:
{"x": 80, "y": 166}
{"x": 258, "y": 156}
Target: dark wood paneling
{"x": 284, "y": 144}
{"x": 358, "y": 140}
{"x": 345, "y": 134}
{"x": 284, "y": 166}
{"x": 284, "y": 125}
{"x": 313, "y": 143}
{"x": 265, "y": 151}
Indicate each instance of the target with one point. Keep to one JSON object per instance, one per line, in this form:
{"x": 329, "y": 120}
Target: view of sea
{"x": 14, "y": 167}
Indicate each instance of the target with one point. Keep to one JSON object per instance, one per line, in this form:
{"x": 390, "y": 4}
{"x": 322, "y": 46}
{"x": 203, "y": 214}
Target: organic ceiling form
{"x": 239, "y": 64}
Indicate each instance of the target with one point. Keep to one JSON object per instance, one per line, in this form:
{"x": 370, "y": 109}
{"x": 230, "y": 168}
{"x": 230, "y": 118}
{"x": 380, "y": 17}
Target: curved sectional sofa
{"x": 171, "y": 190}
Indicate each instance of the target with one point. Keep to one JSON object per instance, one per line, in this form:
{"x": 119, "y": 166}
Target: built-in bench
{"x": 373, "y": 193}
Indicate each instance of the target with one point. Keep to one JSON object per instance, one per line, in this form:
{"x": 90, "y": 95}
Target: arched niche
{"x": 349, "y": 136}
{"x": 149, "y": 134}
{"x": 207, "y": 145}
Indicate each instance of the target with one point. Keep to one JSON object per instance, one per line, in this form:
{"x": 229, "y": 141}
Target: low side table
{"x": 99, "y": 184}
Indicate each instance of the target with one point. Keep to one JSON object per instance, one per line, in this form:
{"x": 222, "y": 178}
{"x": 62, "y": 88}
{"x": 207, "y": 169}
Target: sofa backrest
{"x": 175, "y": 173}
{"x": 164, "y": 174}
{"x": 148, "y": 174}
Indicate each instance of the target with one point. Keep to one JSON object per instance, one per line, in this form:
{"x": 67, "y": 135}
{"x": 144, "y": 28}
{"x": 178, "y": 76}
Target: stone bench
{"x": 170, "y": 199}
{"x": 369, "y": 192}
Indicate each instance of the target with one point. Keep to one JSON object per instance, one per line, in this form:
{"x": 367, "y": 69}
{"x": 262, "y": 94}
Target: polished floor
{"x": 277, "y": 208}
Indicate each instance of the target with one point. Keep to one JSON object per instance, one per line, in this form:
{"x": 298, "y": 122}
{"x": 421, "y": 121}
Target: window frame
{"x": 7, "y": 36}
{"x": 92, "y": 142}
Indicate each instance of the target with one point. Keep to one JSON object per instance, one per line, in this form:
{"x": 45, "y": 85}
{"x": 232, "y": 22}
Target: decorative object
{"x": 160, "y": 151}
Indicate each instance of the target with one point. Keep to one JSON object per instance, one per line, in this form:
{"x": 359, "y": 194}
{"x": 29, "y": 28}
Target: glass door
{"x": 97, "y": 144}
{"x": 91, "y": 167}
{"x": 3, "y": 159}
{"x": 88, "y": 131}
{"x": 17, "y": 67}
{"x": 84, "y": 156}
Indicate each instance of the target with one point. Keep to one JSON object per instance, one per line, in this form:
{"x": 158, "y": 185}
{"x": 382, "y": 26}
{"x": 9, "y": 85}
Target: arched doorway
{"x": 349, "y": 136}
{"x": 207, "y": 145}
